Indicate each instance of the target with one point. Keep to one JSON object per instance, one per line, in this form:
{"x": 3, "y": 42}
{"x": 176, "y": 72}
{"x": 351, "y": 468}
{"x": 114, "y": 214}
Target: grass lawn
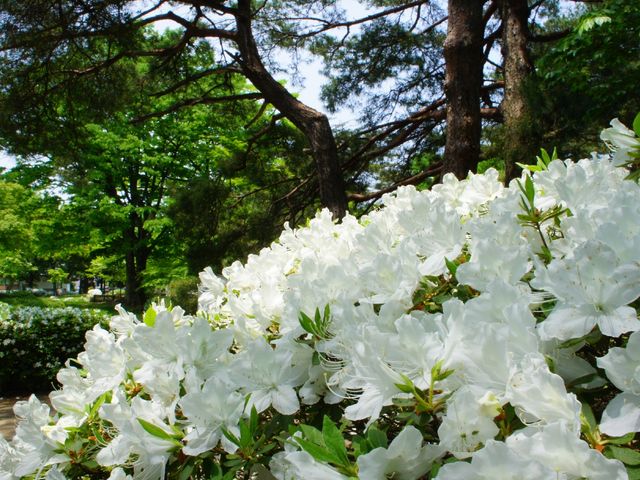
{"x": 78, "y": 301}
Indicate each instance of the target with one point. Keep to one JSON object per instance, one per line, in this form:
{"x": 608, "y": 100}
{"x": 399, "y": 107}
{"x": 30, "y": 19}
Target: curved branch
{"x": 197, "y": 101}
{"x": 432, "y": 171}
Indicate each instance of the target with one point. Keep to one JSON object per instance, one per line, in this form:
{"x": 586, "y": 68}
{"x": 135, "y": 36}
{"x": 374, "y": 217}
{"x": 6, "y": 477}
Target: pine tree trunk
{"x": 463, "y": 81}
{"x": 519, "y": 140}
{"x": 313, "y": 124}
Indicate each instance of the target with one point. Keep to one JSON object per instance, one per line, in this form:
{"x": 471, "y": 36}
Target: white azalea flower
{"x": 405, "y": 459}
{"x": 469, "y": 421}
{"x": 558, "y": 447}
{"x": 298, "y": 465}
{"x": 541, "y": 396}
{"x": 207, "y": 412}
{"x": 150, "y": 451}
{"x": 496, "y": 461}
{"x": 269, "y": 375}
{"x": 622, "y": 366}
{"x": 621, "y": 140}
{"x": 592, "y": 288}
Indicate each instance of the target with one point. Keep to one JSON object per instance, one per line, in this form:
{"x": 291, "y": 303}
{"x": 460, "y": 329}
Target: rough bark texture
{"x": 519, "y": 141}
{"x": 463, "y": 80}
{"x": 313, "y": 124}
{"x": 136, "y": 259}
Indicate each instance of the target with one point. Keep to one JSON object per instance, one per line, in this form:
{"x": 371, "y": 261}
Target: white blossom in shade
{"x": 467, "y": 195}
{"x": 592, "y": 288}
{"x": 212, "y": 289}
{"x": 8, "y": 460}
{"x": 119, "y": 474}
{"x": 124, "y": 323}
{"x": 204, "y": 350}
{"x": 104, "y": 366}
{"x": 103, "y": 360}
{"x": 444, "y": 239}
{"x": 469, "y": 421}
{"x": 299, "y": 465}
{"x": 621, "y": 140}
{"x": 622, "y": 415}
{"x": 558, "y": 447}
{"x": 33, "y": 447}
{"x": 618, "y": 224}
{"x": 583, "y": 187}
{"x": 269, "y": 375}
{"x": 132, "y": 440}
{"x": 54, "y": 474}
{"x": 496, "y": 461}
{"x": 75, "y": 394}
{"x": 209, "y": 410}
{"x": 487, "y": 336}
{"x": 416, "y": 347}
{"x": 622, "y": 366}
{"x": 541, "y": 396}
{"x": 406, "y": 458}
{"x": 376, "y": 380}
{"x": 161, "y": 380}
{"x": 498, "y": 249}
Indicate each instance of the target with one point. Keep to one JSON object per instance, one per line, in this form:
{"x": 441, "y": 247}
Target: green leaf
{"x": 622, "y": 440}
{"x": 319, "y": 452}
{"x": 306, "y": 323}
{"x": 150, "y": 317}
{"x": 253, "y": 421}
{"x": 186, "y": 470}
{"x": 376, "y": 438}
{"x": 312, "y": 434}
{"x": 529, "y": 190}
{"x": 232, "y": 438}
{"x": 636, "y": 124}
{"x": 156, "y": 431}
{"x": 531, "y": 168}
{"x": 451, "y": 266}
{"x": 634, "y": 473}
{"x": 97, "y": 404}
{"x": 582, "y": 381}
{"x": 625, "y": 455}
{"x": 407, "y": 386}
{"x": 589, "y": 419}
{"x": 334, "y": 441}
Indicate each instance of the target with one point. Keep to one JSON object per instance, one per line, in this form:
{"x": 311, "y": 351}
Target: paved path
{"x": 7, "y": 418}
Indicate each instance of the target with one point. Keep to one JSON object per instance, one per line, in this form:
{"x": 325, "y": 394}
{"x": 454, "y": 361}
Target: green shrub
{"x": 184, "y": 292}
{"x": 35, "y": 343}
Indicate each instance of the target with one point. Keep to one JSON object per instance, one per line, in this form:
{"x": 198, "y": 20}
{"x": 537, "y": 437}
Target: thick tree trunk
{"x": 313, "y": 124}
{"x": 520, "y": 143}
{"x": 135, "y": 263}
{"x": 463, "y": 81}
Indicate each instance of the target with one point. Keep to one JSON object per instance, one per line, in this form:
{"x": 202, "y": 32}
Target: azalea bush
{"x": 471, "y": 331}
{"x": 35, "y": 343}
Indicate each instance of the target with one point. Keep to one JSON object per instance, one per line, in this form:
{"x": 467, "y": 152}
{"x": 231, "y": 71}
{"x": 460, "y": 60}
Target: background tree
{"x": 147, "y": 157}
{"x": 589, "y": 77}
{"x": 47, "y": 48}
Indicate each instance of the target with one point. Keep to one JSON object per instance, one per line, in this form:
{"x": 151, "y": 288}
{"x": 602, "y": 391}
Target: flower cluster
{"x": 35, "y": 343}
{"x": 471, "y": 331}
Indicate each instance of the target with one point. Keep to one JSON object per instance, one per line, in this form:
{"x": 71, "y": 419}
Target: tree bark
{"x": 463, "y": 81}
{"x": 519, "y": 140}
{"x": 313, "y": 124}
{"x": 137, "y": 254}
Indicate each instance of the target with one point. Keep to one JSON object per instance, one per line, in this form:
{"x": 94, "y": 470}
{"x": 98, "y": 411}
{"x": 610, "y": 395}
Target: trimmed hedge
{"x": 35, "y": 343}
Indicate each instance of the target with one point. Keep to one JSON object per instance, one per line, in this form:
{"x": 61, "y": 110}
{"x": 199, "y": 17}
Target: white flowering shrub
{"x": 468, "y": 332}
{"x": 35, "y": 343}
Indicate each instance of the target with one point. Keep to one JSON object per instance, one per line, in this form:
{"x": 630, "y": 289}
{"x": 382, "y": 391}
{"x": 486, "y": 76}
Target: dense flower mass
{"x": 471, "y": 331}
